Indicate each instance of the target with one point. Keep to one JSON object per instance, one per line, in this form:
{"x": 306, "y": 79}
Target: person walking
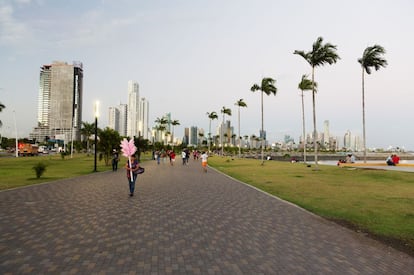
{"x": 134, "y": 166}
{"x": 204, "y": 158}
{"x": 183, "y": 156}
{"x": 115, "y": 159}
{"x": 172, "y": 158}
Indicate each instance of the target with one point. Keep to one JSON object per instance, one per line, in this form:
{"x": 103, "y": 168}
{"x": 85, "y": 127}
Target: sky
{"x": 191, "y": 57}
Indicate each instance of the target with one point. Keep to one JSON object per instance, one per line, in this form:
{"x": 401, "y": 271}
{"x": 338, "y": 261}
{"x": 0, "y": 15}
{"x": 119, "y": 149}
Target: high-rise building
{"x": 133, "y": 109}
{"x": 123, "y": 119}
{"x": 114, "y": 118}
{"x": 59, "y": 113}
{"x": 193, "y": 136}
{"x": 143, "y": 118}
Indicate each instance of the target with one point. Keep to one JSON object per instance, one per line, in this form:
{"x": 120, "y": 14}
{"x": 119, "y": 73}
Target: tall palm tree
{"x": 372, "y": 57}
{"x": 268, "y": 87}
{"x": 1, "y": 109}
{"x": 246, "y": 138}
{"x": 240, "y": 103}
{"x": 211, "y": 116}
{"x": 305, "y": 85}
{"x": 318, "y": 56}
{"x": 174, "y": 123}
{"x": 162, "y": 122}
{"x": 224, "y": 111}
{"x": 200, "y": 136}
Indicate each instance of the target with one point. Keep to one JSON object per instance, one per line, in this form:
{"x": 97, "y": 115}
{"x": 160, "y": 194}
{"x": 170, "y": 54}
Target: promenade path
{"x": 180, "y": 221}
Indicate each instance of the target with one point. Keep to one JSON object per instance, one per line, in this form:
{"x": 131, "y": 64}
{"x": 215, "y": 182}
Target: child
{"x": 204, "y": 158}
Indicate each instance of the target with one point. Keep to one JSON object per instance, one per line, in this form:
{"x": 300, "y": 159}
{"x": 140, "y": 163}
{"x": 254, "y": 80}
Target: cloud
{"x": 12, "y": 32}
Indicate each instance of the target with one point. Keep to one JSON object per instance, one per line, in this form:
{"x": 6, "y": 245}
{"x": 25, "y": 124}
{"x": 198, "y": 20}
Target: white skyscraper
{"x": 123, "y": 119}
{"x": 133, "y": 109}
{"x": 143, "y": 118}
{"x": 114, "y": 118}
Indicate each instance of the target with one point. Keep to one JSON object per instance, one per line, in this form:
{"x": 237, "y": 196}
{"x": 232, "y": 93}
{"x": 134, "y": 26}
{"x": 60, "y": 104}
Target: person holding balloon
{"x": 132, "y": 165}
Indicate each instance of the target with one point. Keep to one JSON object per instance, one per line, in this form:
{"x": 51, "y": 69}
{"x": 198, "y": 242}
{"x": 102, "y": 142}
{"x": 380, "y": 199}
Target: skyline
{"x": 194, "y": 57}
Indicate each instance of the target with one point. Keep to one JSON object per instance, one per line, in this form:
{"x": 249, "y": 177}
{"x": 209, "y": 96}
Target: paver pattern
{"x": 180, "y": 221}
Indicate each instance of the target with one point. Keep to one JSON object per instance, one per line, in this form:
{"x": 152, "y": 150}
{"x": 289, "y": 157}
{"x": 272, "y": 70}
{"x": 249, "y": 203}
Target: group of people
{"x": 350, "y": 158}
{"x": 132, "y": 166}
{"x": 393, "y": 160}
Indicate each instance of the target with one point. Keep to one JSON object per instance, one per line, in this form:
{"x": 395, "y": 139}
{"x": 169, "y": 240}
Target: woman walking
{"x": 134, "y": 166}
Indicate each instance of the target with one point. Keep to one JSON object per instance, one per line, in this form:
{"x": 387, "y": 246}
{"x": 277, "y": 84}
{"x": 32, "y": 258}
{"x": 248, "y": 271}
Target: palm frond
{"x": 306, "y": 84}
{"x": 320, "y": 54}
{"x": 254, "y": 88}
{"x": 372, "y": 57}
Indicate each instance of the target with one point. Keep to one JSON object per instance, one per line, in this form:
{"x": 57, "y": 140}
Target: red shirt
{"x": 396, "y": 159}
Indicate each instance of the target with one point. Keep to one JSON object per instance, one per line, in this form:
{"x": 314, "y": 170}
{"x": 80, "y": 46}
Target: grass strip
{"x": 379, "y": 203}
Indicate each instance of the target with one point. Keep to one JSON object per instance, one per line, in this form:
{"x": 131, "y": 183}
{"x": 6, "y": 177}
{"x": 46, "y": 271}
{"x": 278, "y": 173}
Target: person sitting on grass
{"x": 390, "y": 161}
{"x": 396, "y": 159}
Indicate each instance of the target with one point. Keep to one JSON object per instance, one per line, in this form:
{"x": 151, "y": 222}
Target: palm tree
{"x": 370, "y": 58}
{"x": 240, "y": 103}
{"x": 246, "y": 138}
{"x": 305, "y": 85}
{"x": 318, "y": 56}
{"x": 87, "y": 130}
{"x": 268, "y": 88}
{"x": 200, "y": 136}
{"x": 224, "y": 111}
{"x": 211, "y": 116}
{"x": 161, "y": 125}
{"x": 1, "y": 109}
{"x": 174, "y": 123}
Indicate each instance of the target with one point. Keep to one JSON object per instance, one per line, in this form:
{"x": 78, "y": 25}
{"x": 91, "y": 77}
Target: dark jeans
{"x": 132, "y": 183}
{"x": 114, "y": 165}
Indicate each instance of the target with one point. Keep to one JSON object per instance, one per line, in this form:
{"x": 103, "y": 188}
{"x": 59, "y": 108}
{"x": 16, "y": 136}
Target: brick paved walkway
{"x": 181, "y": 221}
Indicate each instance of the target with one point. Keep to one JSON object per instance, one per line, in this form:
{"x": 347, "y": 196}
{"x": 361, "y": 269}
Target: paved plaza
{"x": 180, "y": 221}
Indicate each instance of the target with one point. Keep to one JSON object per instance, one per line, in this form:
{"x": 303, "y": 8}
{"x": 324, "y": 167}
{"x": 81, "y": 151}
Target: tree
{"x": 200, "y": 136}
{"x": 305, "y": 85}
{"x": 109, "y": 139}
{"x": 318, "y": 56}
{"x": 87, "y": 130}
{"x": 162, "y": 122}
{"x": 372, "y": 57}
{"x": 211, "y": 116}
{"x": 240, "y": 103}
{"x": 246, "y": 138}
{"x": 174, "y": 123}
{"x": 224, "y": 111}
{"x": 142, "y": 145}
{"x": 267, "y": 87}
{"x": 1, "y": 109}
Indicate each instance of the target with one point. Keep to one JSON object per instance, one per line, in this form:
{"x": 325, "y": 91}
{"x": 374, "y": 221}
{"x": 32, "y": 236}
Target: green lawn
{"x": 378, "y": 202}
{"x": 16, "y": 172}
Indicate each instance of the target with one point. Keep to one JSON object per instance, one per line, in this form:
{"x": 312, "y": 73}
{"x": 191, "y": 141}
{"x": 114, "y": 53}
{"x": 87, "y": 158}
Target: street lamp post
{"x": 15, "y": 129}
{"x": 96, "y": 132}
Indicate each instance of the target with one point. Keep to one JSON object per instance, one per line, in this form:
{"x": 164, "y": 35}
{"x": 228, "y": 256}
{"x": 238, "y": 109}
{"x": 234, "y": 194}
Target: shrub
{"x": 39, "y": 168}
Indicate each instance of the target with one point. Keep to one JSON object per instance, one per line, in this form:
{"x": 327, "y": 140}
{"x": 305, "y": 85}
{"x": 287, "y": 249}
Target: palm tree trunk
{"x": 239, "y": 133}
{"x": 363, "y": 117}
{"x": 315, "y": 145}
{"x": 209, "y": 135}
{"x": 303, "y": 130}
{"x": 262, "y": 133}
{"x": 221, "y": 137}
